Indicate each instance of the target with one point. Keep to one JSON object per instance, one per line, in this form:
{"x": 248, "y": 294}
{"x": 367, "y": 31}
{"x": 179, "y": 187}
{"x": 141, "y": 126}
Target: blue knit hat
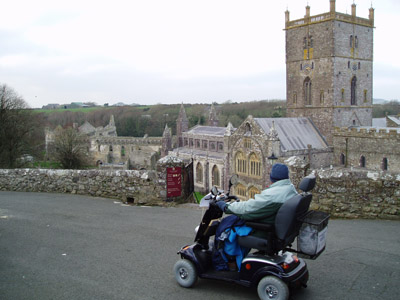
{"x": 278, "y": 172}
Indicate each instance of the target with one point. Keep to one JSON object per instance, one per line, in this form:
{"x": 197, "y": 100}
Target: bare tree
{"x": 70, "y": 148}
{"x": 17, "y": 126}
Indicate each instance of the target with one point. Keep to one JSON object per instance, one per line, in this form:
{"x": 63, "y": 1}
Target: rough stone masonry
{"x": 348, "y": 193}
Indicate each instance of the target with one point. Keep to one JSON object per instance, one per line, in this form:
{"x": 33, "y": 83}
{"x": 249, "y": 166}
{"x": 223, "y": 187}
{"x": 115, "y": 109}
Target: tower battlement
{"x": 367, "y": 132}
{"x": 329, "y": 16}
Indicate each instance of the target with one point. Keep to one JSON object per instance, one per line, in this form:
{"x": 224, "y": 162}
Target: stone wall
{"x": 374, "y": 145}
{"x": 344, "y": 193}
{"x": 352, "y": 193}
{"x": 138, "y": 187}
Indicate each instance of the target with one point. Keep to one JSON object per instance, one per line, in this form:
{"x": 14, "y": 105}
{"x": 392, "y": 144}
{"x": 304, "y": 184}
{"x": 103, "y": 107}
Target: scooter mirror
{"x": 234, "y": 179}
{"x": 214, "y": 190}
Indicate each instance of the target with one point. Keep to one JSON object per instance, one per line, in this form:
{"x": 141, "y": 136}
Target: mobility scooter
{"x": 271, "y": 266}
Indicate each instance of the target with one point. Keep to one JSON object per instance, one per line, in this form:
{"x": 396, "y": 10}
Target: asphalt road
{"x": 56, "y": 246}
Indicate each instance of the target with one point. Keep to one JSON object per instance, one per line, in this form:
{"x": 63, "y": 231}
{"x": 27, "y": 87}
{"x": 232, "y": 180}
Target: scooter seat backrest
{"x": 288, "y": 219}
{"x": 307, "y": 183}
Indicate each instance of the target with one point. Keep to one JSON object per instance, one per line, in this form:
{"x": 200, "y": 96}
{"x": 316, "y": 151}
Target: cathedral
{"x": 329, "y": 88}
{"x": 329, "y": 94}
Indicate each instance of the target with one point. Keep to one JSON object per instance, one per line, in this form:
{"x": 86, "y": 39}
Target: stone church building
{"x": 329, "y": 88}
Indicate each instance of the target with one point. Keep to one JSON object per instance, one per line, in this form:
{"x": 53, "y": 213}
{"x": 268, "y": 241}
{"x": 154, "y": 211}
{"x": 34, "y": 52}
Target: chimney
{"x": 307, "y": 11}
{"x": 333, "y": 6}
{"x": 353, "y": 10}
{"x": 287, "y": 17}
{"x": 371, "y": 16}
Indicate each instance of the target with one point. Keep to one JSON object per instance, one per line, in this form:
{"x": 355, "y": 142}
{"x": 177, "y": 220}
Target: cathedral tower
{"x": 182, "y": 125}
{"x": 212, "y": 117}
{"x": 329, "y": 69}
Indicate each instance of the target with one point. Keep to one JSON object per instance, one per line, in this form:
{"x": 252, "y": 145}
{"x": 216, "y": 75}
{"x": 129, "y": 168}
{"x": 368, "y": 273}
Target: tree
{"x": 70, "y": 148}
{"x": 17, "y": 127}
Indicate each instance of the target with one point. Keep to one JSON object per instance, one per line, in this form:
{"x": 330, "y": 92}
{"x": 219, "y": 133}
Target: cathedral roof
{"x": 86, "y": 128}
{"x": 294, "y": 133}
{"x": 207, "y": 130}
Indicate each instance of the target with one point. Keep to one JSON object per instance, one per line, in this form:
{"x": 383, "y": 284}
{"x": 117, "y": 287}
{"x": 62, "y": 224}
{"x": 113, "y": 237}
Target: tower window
{"x": 321, "y": 97}
{"x": 385, "y": 164}
{"x": 359, "y": 65}
{"x": 362, "y": 161}
{"x": 342, "y": 96}
{"x": 215, "y": 176}
{"x": 301, "y": 67}
{"x": 342, "y": 159}
{"x": 305, "y": 43}
{"x": 348, "y": 64}
{"x": 356, "y": 42}
{"x": 365, "y": 96}
{"x": 294, "y": 98}
{"x": 199, "y": 173}
{"x": 351, "y": 41}
{"x": 353, "y": 100}
{"x": 307, "y": 91}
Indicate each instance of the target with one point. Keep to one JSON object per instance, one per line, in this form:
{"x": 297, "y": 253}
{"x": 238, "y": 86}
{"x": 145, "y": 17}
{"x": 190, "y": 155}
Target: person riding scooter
{"x": 264, "y": 206}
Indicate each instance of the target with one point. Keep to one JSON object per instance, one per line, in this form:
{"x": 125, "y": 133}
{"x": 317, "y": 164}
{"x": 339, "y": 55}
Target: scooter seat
{"x": 254, "y": 242}
{"x": 261, "y": 226}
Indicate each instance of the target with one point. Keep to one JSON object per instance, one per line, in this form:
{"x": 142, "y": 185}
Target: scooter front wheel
{"x": 185, "y": 273}
{"x": 271, "y": 287}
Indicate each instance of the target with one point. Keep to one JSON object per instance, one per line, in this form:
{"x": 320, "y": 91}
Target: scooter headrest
{"x": 307, "y": 183}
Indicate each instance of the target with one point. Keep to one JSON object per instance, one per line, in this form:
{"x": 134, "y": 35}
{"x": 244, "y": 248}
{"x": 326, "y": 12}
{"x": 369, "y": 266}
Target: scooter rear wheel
{"x": 271, "y": 287}
{"x": 185, "y": 273}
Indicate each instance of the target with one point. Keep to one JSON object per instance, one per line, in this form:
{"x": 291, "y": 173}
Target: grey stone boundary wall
{"x": 138, "y": 187}
{"x": 357, "y": 193}
{"x": 344, "y": 193}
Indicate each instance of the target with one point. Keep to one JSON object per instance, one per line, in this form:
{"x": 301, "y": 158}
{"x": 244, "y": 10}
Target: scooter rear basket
{"x": 312, "y": 236}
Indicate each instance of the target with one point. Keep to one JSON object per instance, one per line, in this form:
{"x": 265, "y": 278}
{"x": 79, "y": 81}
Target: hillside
{"x": 151, "y": 119}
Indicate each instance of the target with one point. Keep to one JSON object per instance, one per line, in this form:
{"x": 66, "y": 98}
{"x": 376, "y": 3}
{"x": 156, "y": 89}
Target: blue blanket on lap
{"x": 227, "y": 232}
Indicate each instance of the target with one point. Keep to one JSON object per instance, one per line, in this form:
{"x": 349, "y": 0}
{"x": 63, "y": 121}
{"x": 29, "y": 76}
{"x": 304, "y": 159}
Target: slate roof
{"x": 379, "y": 122}
{"x": 394, "y": 119}
{"x": 207, "y": 130}
{"x": 294, "y": 133}
{"x": 197, "y": 152}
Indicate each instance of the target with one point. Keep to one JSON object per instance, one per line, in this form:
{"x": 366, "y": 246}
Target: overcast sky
{"x": 167, "y": 51}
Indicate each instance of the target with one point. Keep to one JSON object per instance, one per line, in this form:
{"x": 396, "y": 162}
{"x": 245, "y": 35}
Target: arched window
{"x": 342, "y": 95}
{"x": 362, "y": 161}
{"x": 351, "y": 41}
{"x": 199, "y": 173}
{"x": 307, "y": 91}
{"x": 253, "y": 191}
{"x": 248, "y": 129}
{"x": 240, "y": 191}
{"x": 384, "y": 164}
{"x": 241, "y": 163}
{"x": 215, "y": 176}
{"x": 122, "y": 150}
{"x": 342, "y": 159}
{"x": 254, "y": 166}
{"x": 353, "y": 90}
